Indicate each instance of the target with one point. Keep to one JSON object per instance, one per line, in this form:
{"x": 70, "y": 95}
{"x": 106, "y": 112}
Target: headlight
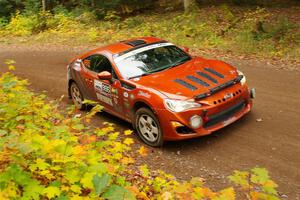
{"x": 243, "y": 81}
{"x": 179, "y": 106}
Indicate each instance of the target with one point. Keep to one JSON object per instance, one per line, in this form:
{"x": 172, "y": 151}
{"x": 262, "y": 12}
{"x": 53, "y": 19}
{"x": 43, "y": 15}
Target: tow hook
{"x": 252, "y": 93}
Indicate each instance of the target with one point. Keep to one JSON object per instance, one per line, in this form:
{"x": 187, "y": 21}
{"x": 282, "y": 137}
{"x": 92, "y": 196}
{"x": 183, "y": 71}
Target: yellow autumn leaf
{"x": 254, "y": 195}
{"x": 206, "y": 192}
{"x": 55, "y": 167}
{"x": 143, "y": 195}
{"x": 128, "y": 132}
{"x": 78, "y": 150}
{"x": 78, "y": 197}
{"x": 11, "y": 67}
{"x": 51, "y": 192}
{"x": 128, "y": 141}
{"x": 65, "y": 188}
{"x": 143, "y": 151}
{"x": 86, "y": 180}
{"x": 9, "y": 192}
{"x": 226, "y": 194}
{"x": 9, "y": 62}
{"x": 47, "y": 174}
{"x": 3, "y": 195}
{"x": 76, "y": 189}
{"x": 127, "y": 160}
{"x": 117, "y": 156}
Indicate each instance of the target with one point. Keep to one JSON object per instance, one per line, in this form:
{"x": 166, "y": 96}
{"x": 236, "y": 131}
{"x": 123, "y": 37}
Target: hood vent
{"x": 214, "y": 72}
{"x": 197, "y": 80}
{"x": 207, "y": 77}
{"x": 185, "y": 84}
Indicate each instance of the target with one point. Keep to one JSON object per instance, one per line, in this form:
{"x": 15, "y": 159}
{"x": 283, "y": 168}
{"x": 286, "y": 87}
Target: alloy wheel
{"x": 148, "y": 128}
{"x": 76, "y": 96}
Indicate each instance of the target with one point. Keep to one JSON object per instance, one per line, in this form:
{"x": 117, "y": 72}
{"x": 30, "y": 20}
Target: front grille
{"x": 225, "y": 114}
{"x": 233, "y": 94}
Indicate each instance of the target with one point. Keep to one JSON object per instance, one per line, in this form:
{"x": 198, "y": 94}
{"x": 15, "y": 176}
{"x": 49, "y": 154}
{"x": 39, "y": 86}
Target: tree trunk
{"x": 187, "y": 5}
{"x": 44, "y": 5}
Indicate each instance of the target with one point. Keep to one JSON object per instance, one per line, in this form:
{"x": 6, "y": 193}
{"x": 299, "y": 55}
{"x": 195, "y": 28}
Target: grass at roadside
{"x": 255, "y": 31}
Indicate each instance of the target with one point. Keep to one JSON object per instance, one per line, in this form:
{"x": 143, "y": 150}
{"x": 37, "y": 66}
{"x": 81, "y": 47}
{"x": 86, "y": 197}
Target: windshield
{"x": 150, "y": 59}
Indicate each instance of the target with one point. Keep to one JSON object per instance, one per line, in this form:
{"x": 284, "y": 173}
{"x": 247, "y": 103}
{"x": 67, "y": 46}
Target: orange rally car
{"x": 163, "y": 91}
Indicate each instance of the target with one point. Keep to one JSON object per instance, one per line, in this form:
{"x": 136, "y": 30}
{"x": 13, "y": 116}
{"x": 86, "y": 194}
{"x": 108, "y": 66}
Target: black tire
{"x": 77, "y": 96}
{"x": 148, "y": 127}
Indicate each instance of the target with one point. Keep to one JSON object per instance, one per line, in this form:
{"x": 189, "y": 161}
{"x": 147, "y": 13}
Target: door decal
{"x": 104, "y": 99}
{"x": 103, "y": 92}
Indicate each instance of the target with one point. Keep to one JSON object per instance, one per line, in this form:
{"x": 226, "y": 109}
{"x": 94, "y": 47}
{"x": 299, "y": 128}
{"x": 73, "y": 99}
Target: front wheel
{"x": 148, "y": 127}
{"x": 77, "y": 96}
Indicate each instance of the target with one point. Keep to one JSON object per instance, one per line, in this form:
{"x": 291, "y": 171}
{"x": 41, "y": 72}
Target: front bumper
{"x": 216, "y": 115}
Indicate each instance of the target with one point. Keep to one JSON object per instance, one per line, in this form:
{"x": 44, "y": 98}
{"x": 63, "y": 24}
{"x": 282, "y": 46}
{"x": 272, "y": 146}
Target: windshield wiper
{"x": 147, "y": 73}
{"x": 180, "y": 62}
{"x": 144, "y": 74}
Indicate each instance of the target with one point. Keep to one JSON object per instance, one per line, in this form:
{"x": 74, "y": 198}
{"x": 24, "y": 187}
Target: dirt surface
{"x": 269, "y": 136}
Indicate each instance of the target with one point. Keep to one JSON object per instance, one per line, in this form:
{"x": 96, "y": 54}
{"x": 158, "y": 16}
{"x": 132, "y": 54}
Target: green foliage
{"x": 255, "y": 31}
{"x": 3, "y": 22}
{"x": 21, "y": 25}
{"x": 116, "y": 192}
{"x": 100, "y": 183}
{"x": 257, "y": 182}
{"x": 46, "y": 154}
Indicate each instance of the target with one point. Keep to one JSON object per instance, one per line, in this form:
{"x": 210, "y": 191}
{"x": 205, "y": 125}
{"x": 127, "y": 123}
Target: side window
{"x": 97, "y": 63}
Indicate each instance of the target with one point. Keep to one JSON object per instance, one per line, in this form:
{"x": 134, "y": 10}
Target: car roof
{"x": 126, "y": 45}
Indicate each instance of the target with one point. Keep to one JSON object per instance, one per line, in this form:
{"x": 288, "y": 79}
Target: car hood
{"x": 187, "y": 80}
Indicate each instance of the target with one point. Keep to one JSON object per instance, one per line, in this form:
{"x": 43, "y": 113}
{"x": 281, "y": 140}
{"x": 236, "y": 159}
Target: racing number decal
{"x": 103, "y": 92}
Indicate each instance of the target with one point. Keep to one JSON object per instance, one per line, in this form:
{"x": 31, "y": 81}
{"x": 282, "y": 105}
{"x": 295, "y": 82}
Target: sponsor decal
{"x": 144, "y": 94}
{"x": 102, "y": 87}
{"x": 132, "y": 96}
{"x": 229, "y": 121}
{"x": 104, "y": 99}
{"x": 97, "y": 85}
{"x": 232, "y": 71}
{"x": 106, "y": 89}
{"x": 103, "y": 92}
{"x": 125, "y": 94}
{"x": 136, "y": 79}
{"x": 114, "y": 91}
{"x": 228, "y": 96}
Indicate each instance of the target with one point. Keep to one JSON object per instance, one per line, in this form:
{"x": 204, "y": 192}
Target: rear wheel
{"x": 77, "y": 96}
{"x": 148, "y": 127}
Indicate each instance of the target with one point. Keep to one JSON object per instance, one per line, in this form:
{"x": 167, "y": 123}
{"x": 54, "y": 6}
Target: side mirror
{"x": 186, "y": 49}
{"x": 77, "y": 63}
{"x": 105, "y": 75}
